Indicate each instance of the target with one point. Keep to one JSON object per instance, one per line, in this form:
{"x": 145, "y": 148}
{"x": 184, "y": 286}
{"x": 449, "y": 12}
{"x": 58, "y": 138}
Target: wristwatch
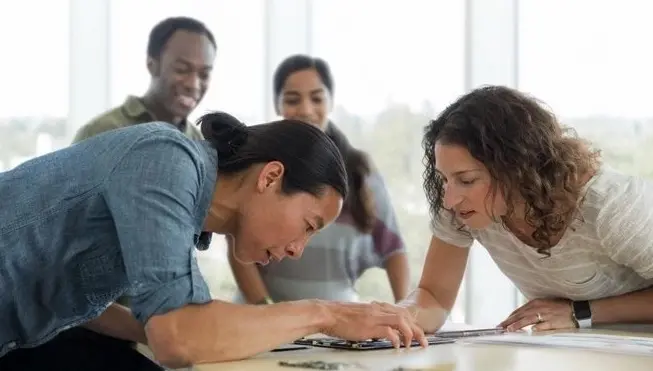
{"x": 582, "y": 313}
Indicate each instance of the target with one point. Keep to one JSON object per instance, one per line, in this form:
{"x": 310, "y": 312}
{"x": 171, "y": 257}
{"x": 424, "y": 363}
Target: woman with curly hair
{"x": 573, "y": 235}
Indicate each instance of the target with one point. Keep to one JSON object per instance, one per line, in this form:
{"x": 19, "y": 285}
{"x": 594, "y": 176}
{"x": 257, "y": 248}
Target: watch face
{"x": 582, "y": 310}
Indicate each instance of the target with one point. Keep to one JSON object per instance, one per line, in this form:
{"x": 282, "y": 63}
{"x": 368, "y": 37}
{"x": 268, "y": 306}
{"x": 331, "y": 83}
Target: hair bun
{"x": 225, "y": 132}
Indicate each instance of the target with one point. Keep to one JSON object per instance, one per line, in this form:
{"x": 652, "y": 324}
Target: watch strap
{"x": 265, "y": 300}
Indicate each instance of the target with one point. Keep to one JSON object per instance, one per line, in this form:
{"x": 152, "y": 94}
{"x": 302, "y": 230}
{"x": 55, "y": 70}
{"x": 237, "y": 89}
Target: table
{"x": 450, "y": 357}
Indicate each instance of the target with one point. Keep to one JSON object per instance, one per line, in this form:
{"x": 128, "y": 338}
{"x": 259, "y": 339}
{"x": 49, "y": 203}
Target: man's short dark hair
{"x": 164, "y": 30}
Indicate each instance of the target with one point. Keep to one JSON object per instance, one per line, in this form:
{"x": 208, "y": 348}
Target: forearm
{"x": 117, "y": 321}
{"x": 248, "y": 279}
{"x": 634, "y": 307}
{"x": 221, "y": 331}
{"x": 396, "y": 267}
{"x": 428, "y": 312}
{"x": 436, "y": 293}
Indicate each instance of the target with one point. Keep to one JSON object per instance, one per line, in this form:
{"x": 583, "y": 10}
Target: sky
{"x": 582, "y": 57}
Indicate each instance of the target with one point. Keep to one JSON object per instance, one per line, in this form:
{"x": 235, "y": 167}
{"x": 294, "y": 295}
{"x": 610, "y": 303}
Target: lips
{"x": 187, "y": 101}
{"x": 268, "y": 258}
{"x": 466, "y": 214}
{"x": 264, "y": 261}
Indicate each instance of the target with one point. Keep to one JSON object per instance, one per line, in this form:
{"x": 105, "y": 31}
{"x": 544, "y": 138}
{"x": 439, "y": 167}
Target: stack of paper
{"x": 596, "y": 342}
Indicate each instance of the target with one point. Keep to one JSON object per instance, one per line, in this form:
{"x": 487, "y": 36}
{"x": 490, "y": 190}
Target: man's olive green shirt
{"x": 131, "y": 112}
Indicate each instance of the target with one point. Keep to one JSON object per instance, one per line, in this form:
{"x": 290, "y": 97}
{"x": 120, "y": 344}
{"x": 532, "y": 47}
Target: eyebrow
{"x": 459, "y": 172}
{"x": 191, "y": 64}
{"x": 294, "y": 92}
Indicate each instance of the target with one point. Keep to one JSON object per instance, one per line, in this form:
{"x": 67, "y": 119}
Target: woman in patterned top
{"x": 573, "y": 235}
{"x": 365, "y": 235}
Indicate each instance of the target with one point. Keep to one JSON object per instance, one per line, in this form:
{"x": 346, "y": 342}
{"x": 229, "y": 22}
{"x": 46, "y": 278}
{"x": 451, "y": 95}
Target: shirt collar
{"x": 135, "y": 108}
{"x": 203, "y": 239}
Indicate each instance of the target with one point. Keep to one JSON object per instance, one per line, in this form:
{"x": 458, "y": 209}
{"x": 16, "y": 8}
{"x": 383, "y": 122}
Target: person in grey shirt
{"x": 121, "y": 214}
{"x": 365, "y": 235}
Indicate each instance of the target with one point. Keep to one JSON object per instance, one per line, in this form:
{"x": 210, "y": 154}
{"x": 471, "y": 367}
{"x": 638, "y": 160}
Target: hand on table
{"x": 358, "y": 321}
{"x": 543, "y": 314}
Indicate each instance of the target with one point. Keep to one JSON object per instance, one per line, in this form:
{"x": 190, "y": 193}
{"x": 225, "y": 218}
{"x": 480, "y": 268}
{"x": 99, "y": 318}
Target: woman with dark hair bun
{"x": 365, "y": 235}
{"x": 121, "y": 213}
{"x": 574, "y": 236}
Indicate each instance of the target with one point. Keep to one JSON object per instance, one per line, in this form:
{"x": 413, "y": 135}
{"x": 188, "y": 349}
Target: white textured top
{"x": 609, "y": 251}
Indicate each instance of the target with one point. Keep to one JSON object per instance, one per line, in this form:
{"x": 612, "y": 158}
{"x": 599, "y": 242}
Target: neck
{"x": 517, "y": 222}
{"x": 157, "y": 109}
{"x": 224, "y": 210}
{"x": 518, "y": 226}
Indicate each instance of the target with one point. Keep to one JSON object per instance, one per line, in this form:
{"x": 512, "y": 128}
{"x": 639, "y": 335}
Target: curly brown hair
{"x": 528, "y": 153}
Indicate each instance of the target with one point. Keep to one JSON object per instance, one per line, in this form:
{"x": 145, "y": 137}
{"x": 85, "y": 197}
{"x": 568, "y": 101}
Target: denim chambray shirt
{"x": 116, "y": 214}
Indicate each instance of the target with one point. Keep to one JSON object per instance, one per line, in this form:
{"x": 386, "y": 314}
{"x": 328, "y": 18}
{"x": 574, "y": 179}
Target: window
{"x": 396, "y": 64}
{"x": 237, "y": 85}
{"x": 34, "y": 109}
{"x": 593, "y": 67}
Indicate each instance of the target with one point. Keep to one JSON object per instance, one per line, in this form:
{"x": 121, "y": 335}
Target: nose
{"x": 305, "y": 110}
{"x": 193, "y": 83}
{"x": 295, "y": 250}
{"x": 451, "y": 197}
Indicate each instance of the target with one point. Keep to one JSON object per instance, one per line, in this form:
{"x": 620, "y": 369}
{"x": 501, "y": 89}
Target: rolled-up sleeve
{"x": 442, "y": 227}
{"x": 152, "y": 196}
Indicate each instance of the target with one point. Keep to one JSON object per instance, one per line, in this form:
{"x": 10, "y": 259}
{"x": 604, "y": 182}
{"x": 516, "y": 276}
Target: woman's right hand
{"x": 359, "y": 321}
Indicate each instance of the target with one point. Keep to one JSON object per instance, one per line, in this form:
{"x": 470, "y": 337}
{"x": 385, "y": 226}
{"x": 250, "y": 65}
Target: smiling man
{"x": 180, "y": 56}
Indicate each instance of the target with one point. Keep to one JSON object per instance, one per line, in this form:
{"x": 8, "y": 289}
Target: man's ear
{"x": 153, "y": 67}
{"x": 270, "y": 176}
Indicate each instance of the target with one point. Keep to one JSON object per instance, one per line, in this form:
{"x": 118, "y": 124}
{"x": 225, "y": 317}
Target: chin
{"x": 243, "y": 258}
{"x": 182, "y": 113}
{"x": 477, "y": 224}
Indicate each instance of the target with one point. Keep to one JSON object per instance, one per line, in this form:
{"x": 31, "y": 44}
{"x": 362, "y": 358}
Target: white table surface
{"x": 450, "y": 357}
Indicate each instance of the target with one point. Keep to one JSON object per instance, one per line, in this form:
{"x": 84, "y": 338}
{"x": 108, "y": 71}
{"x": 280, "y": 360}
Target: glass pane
{"x": 592, "y": 65}
{"x": 396, "y": 64}
{"x": 34, "y": 109}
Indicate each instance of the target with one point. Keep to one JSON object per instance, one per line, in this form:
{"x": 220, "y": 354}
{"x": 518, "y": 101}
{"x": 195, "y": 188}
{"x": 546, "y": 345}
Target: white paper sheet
{"x": 596, "y": 342}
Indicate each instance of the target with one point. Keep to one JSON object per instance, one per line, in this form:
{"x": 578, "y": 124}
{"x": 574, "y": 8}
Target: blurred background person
{"x": 180, "y": 56}
{"x": 365, "y": 235}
